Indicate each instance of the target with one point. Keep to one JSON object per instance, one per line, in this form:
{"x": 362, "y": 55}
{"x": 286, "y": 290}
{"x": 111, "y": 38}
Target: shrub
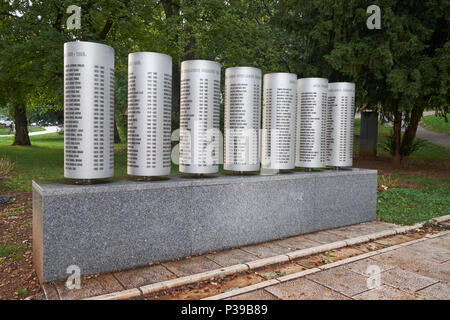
{"x": 389, "y": 146}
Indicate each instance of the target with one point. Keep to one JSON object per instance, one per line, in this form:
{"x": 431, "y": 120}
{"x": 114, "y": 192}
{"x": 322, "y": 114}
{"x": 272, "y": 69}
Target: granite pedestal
{"x": 119, "y": 225}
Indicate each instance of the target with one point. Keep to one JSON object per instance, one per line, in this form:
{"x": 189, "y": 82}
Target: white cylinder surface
{"x": 341, "y": 112}
{"x": 149, "y": 113}
{"x": 88, "y": 110}
{"x": 311, "y": 122}
{"x": 242, "y": 119}
{"x": 279, "y": 117}
{"x": 199, "y": 116}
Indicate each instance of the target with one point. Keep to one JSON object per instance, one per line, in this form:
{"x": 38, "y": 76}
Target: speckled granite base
{"x": 119, "y": 225}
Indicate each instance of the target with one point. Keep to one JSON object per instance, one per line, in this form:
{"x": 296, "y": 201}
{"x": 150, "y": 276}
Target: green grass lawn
{"x": 430, "y": 198}
{"x": 4, "y": 130}
{"x": 436, "y": 124}
{"x": 44, "y": 160}
{"x": 403, "y": 205}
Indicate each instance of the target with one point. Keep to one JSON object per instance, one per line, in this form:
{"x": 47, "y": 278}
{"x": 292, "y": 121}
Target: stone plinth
{"x": 119, "y": 225}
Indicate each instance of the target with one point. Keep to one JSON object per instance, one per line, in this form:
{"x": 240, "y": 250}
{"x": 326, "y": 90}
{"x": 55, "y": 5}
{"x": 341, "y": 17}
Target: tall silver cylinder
{"x": 149, "y": 113}
{"x": 242, "y": 118}
{"x": 279, "y": 117}
{"x": 341, "y": 113}
{"x": 199, "y": 116}
{"x": 311, "y": 122}
{"x": 88, "y": 110}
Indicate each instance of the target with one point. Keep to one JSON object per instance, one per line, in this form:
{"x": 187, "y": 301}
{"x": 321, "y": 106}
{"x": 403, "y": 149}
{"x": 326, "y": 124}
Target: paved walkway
{"x": 412, "y": 272}
{"x": 156, "y": 273}
{"x": 50, "y": 129}
{"x": 440, "y": 139}
{"x": 437, "y": 138}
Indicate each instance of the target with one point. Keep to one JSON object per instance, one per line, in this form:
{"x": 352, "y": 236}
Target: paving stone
{"x": 88, "y": 288}
{"x": 232, "y": 257}
{"x": 341, "y": 280}
{"x": 255, "y": 295}
{"x": 265, "y": 250}
{"x": 350, "y": 231}
{"x": 435, "y": 249}
{"x": 362, "y": 265}
{"x": 378, "y": 225}
{"x": 361, "y": 229}
{"x": 323, "y": 237}
{"x": 191, "y": 266}
{"x": 438, "y": 291}
{"x": 109, "y": 283}
{"x": 304, "y": 289}
{"x": 50, "y": 292}
{"x": 296, "y": 243}
{"x": 386, "y": 293}
{"x": 406, "y": 280}
{"x": 409, "y": 260}
{"x": 142, "y": 276}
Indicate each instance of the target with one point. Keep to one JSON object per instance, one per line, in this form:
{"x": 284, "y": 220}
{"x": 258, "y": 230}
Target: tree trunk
{"x": 171, "y": 10}
{"x": 411, "y": 130}
{"x": 21, "y": 137}
{"x": 397, "y": 157}
{"x": 116, "y": 133}
{"x": 175, "y": 89}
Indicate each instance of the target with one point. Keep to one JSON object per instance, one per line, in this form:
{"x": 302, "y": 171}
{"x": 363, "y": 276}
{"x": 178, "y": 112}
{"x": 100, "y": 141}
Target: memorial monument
{"x": 117, "y": 225}
{"x": 199, "y": 116}
{"x": 242, "y": 119}
{"x": 88, "y": 111}
{"x": 149, "y": 113}
{"x": 340, "y": 119}
{"x": 311, "y": 122}
{"x": 279, "y": 117}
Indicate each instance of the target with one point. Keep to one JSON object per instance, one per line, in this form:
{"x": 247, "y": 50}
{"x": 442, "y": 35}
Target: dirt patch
{"x": 18, "y": 280}
{"x": 429, "y": 168}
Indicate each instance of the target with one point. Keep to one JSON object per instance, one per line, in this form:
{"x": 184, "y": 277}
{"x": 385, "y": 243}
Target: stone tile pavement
{"x": 157, "y": 272}
{"x": 414, "y": 272}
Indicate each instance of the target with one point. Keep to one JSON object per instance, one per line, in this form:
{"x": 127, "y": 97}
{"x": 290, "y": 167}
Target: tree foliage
{"x": 399, "y": 70}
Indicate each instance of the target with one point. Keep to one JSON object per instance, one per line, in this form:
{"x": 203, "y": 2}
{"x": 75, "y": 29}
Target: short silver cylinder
{"x": 149, "y": 113}
{"x": 340, "y": 122}
{"x": 279, "y": 117}
{"x": 311, "y": 122}
{"x": 199, "y": 117}
{"x": 242, "y": 119}
{"x": 88, "y": 110}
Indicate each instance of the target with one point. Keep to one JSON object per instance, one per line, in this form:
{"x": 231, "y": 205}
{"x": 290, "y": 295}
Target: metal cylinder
{"x": 311, "y": 122}
{"x": 341, "y": 113}
{"x": 199, "y": 116}
{"x": 88, "y": 110}
{"x": 242, "y": 118}
{"x": 149, "y": 113}
{"x": 279, "y": 117}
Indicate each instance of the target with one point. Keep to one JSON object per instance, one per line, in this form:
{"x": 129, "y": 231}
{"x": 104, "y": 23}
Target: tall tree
{"x": 399, "y": 70}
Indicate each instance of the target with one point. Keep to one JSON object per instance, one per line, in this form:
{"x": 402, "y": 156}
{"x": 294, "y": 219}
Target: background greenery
{"x": 437, "y": 124}
{"x": 399, "y": 70}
